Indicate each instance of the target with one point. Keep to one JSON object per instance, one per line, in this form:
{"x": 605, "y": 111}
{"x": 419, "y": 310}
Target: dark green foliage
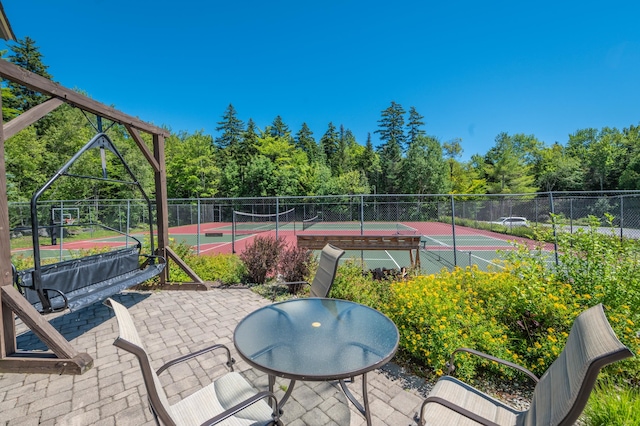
{"x": 391, "y": 125}
{"x": 27, "y": 56}
{"x": 279, "y": 128}
{"x": 414, "y": 126}
{"x": 261, "y": 258}
{"x": 329, "y": 144}
{"x": 232, "y": 129}
{"x": 304, "y": 141}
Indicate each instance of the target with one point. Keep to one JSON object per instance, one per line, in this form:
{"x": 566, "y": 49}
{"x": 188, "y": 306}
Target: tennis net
{"x": 308, "y": 223}
{"x": 251, "y": 223}
{"x": 451, "y": 257}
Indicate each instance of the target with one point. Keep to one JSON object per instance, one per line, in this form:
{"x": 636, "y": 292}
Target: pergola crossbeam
{"x": 62, "y": 358}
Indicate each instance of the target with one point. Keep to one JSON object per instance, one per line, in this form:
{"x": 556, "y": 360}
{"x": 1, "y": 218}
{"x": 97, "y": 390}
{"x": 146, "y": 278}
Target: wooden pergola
{"x": 62, "y": 357}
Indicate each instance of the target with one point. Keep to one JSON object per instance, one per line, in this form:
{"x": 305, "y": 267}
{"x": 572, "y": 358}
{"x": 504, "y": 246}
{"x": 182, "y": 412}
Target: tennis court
{"x": 438, "y": 249}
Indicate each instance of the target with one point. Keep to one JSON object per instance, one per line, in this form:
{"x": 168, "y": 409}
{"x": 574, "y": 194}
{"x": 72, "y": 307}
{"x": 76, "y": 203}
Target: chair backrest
{"x": 563, "y": 391}
{"x": 327, "y": 267}
{"x": 130, "y": 342}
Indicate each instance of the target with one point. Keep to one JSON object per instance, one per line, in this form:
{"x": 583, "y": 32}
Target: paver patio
{"x": 172, "y": 323}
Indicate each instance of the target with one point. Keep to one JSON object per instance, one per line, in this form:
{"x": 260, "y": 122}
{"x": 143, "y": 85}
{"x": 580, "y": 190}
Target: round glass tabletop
{"x": 316, "y": 339}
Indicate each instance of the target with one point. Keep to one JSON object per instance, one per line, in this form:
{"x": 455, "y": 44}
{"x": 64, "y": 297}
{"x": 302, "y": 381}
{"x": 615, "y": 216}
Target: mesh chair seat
{"x": 217, "y": 397}
{"x": 230, "y": 400}
{"x": 559, "y": 396}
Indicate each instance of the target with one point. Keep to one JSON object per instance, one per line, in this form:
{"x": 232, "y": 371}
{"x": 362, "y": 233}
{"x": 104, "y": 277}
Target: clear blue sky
{"x": 472, "y": 69}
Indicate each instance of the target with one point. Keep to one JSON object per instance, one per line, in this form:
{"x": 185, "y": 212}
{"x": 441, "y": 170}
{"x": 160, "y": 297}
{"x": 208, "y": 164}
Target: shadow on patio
{"x": 172, "y": 323}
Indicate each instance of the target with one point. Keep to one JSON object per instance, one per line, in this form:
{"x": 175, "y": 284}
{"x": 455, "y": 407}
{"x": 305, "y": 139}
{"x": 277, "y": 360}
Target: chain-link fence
{"x": 457, "y": 229}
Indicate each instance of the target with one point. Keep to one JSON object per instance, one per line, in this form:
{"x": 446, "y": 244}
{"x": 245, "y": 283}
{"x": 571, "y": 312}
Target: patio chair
{"x": 326, "y": 273}
{"x": 560, "y": 394}
{"x": 229, "y": 398}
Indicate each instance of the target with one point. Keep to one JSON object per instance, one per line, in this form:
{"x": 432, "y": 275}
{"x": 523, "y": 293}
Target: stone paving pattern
{"x": 173, "y": 323}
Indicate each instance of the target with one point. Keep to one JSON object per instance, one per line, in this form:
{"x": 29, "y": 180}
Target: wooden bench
{"x": 364, "y": 242}
{"x": 213, "y": 234}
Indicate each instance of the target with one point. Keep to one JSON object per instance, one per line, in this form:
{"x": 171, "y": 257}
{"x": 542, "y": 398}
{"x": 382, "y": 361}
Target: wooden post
{"x": 8, "y": 329}
{"x": 162, "y": 207}
{"x": 64, "y": 359}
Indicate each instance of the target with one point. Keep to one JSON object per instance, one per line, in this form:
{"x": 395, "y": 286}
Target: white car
{"x": 512, "y": 221}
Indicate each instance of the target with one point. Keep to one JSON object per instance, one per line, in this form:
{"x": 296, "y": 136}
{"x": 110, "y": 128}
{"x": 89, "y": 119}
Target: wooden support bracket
{"x": 63, "y": 358}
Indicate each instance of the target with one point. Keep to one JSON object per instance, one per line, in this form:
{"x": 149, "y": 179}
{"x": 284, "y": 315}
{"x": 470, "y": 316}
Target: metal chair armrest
{"x": 229, "y": 363}
{"x": 244, "y": 404}
{"x": 451, "y": 366}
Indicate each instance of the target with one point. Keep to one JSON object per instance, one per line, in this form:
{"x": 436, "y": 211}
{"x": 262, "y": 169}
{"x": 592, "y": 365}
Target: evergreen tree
{"x": 390, "y": 169}
{"x": 27, "y": 56}
{"x": 341, "y": 153}
{"x": 232, "y": 129}
{"x": 391, "y": 132}
{"x": 391, "y": 125}
{"x": 305, "y": 142}
{"x": 414, "y": 125}
{"x": 279, "y": 129}
{"x": 248, "y": 142}
{"x": 329, "y": 146}
{"x": 370, "y": 164}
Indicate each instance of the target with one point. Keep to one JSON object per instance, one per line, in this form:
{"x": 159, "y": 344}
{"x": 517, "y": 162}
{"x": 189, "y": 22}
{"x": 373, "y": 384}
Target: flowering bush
{"x": 261, "y": 257}
{"x": 522, "y": 313}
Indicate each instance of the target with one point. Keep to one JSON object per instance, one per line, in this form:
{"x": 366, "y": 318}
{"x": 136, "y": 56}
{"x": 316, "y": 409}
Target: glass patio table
{"x": 317, "y": 339}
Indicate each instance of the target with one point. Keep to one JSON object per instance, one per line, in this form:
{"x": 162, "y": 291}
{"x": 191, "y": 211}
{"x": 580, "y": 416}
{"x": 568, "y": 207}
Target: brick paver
{"x": 172, "y": 323}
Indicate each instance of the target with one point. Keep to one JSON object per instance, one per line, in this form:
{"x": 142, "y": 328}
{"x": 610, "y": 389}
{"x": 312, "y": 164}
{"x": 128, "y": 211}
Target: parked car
{"x": 511, "y": 221}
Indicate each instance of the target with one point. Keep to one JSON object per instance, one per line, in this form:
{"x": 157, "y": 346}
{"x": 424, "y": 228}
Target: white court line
{"x": 436, "y": 241}
{"x": 392, "y": 258}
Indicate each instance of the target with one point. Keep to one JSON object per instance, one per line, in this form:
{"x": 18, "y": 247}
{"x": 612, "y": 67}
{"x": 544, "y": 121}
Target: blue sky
{"x": 472, "y": 69}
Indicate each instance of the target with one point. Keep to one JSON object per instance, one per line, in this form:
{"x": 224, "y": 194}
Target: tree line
{"x": 243, "y": 160}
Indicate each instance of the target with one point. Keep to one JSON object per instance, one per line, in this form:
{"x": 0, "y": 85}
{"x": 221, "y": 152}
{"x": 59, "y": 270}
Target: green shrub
{"x": 351, "y": 283}
{"x": 613, "y": 405}
{"x": 225, "y": 268}
{"x": 594, "y": 267}
{"x": 436, "y": 314}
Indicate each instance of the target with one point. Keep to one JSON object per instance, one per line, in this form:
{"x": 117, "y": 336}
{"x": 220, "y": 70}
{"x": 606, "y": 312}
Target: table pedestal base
{"x": 362, "y": 408}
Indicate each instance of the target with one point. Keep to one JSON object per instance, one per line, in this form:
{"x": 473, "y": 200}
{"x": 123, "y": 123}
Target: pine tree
{"x": 329, "y": 146}
{"x": 370, "y": 164}
{"x": 304, "y": 141}
{"x": 248, "y": 142}
{"x": 414, "y": 124}
{"x": 391, "y": 130}
{"x": 232, "y": 129}
{"x": 27, "y": 56}
{"x": 391, "y": 125}
{"x": 279, "y": 128}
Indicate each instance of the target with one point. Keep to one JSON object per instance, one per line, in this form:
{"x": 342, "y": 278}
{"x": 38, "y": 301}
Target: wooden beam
{"x": 7, "y": 328}
{"x": 28, "y": 118}
{"x": 162, "y": 206}
{"x": 144, "y": 148}
{"x": 36, "y": 322}
{"x": 44, "y": 363}
{"x": 47, "y": 87}
{"x": 5, "y": 27}
{"x": 64, "y": 359}
{"x": 192, "y": 274}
